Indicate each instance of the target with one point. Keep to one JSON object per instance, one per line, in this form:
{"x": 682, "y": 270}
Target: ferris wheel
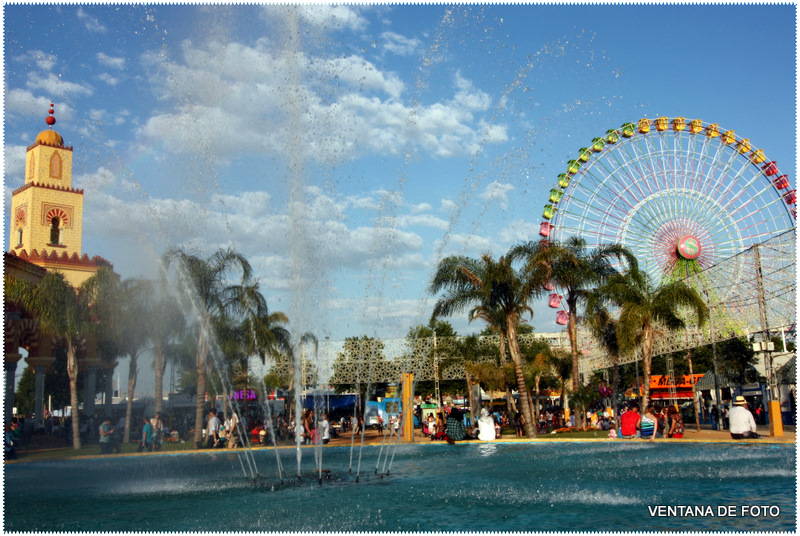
{"x": 680, "y": 195}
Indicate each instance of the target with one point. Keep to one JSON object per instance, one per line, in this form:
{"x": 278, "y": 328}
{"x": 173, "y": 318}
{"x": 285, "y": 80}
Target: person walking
{"x": 212, "y": 431}
{"x": 233, "y": 431}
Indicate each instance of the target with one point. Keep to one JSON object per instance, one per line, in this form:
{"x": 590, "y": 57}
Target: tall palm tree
{"x": 134, "y": 300}
{"x": 212, "y": 293}
{"x": 467, "y": 282}
{"x": 576, "y": 270}
{"x": 647, "y": 309}
{"x": 62, "y": 312}
{"x": 165, "y": 322}
{"x": 605, "y": 327}
{"x": 562, "y": 369}
{"x": 496, "y": 321}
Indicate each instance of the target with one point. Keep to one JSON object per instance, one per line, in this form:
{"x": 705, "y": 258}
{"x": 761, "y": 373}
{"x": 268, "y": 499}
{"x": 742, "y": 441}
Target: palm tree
{"x": 134, "y": 300}
{"x": 576, "y": 270}
{"x": 468, "y": 282}
{"x": 212, "y": 294}
{"x": 165, "y": 322}
{"x": 496, "y": 322}
{"x": 562, "y": 369}
{"x": 645, "y": 309}
{"x": 604, "y": 327}
{"x": 63, "y": 312}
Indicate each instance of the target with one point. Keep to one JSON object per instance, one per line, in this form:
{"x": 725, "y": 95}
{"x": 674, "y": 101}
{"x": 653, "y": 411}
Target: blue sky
{"x": 345, "y": 149}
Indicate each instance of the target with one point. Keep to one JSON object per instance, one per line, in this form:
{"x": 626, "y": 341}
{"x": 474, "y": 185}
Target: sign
{"x": 681, "y": 382}
{"x": 241, "y": 395}
{"x": 689, "y": 247}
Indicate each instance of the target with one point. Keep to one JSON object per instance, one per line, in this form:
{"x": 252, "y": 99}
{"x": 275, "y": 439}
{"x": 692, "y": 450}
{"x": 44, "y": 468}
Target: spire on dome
{"x": 50, "y": 136}
{"x": 50, "y": 119}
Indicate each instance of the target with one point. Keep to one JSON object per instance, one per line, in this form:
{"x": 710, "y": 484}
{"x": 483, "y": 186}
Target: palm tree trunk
{"x": 200, "y": 401}
{"x": 572, "y": 332}
{"x": 72, "y": 372}
{"x": 615, "y": 394}
{"x": 160, "y": 365}
{"x": 511, "y": 407}
{"x": 694, "y": 391}
{"x": 132, "y": 373}
{"x": 647, "y": 359}
{"x": 516, "y": 356}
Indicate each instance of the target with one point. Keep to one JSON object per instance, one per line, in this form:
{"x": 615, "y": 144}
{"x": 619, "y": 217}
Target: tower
{"x": 47, "y": 212}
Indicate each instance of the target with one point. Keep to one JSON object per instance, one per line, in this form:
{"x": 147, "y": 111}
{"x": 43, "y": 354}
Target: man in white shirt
{"x": 213, "y": 430}
{"x": 741, "y": 422}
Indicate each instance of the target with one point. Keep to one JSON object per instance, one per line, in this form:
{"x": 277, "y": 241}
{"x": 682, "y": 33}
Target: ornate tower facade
{"x": 47, "y": 212}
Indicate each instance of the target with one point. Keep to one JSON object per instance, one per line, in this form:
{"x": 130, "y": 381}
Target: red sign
{"x": 681, "y": 382}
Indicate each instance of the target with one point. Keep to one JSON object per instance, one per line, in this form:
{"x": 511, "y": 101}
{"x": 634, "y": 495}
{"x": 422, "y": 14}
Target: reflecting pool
{"x": 608, "y": 486}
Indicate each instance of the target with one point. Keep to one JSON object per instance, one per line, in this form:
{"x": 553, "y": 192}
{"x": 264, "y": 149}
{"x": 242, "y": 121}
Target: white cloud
{"x": 497, "y": 193}
{"x": 111, "y": 61}
{"x": 519, "y": 231}
{"x": 24, "y": 102}
{"x": 91, "y": 23}
{"x": 37, "y": 58}
{"x": 108, "y": 79}
{"x": 423, "y": 220}
{"x": 54, "y": 85}
{"x": 448, "y": 205}
{"x": 329, "y": 17}
{"x": 422, "y": 207}
{"x": 361, "y": 113}
{"x": 14, "y": 165}
{"x": 400, "y": 45}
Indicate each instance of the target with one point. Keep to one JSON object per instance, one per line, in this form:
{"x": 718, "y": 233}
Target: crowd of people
{"x": 449, "y": 423}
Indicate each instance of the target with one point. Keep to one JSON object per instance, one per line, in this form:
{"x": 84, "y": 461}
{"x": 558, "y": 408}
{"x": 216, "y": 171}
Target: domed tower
{"x": 47, "y": 212}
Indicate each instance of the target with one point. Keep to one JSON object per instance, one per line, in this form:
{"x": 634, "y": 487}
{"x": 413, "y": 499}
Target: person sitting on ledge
{"x": 741, "y": 422}
{"x": 455, "y": 426}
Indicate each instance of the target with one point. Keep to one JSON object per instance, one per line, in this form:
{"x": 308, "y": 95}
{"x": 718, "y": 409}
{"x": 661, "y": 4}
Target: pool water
{"x": 543, "y": 486}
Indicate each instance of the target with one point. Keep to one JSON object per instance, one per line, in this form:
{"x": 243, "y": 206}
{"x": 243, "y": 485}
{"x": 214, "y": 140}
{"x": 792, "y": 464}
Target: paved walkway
{"x": 372, "y": 437}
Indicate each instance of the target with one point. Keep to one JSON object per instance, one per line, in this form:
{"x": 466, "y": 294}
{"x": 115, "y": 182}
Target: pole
{"x": 775, "y": 417}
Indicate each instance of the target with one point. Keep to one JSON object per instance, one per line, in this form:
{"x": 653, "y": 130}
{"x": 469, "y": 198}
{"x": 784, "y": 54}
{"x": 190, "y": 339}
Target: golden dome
{"x": 50, "y": 137}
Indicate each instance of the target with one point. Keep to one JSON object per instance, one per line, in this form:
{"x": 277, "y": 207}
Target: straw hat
{"x": 740, "y": 401}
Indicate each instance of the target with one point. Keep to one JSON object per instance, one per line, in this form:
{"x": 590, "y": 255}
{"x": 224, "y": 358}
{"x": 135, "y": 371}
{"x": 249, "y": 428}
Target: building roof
{"x": 706, "y": 383}
{"x": 787, "y": 374}
{"x": 50, "y": 137}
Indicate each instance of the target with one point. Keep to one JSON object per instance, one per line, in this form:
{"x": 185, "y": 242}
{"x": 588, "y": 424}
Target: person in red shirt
{"x": 629, "y": 422}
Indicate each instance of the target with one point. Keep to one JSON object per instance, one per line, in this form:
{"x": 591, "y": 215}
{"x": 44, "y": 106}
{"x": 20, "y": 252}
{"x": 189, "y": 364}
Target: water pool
{"x": 609, "y": 486}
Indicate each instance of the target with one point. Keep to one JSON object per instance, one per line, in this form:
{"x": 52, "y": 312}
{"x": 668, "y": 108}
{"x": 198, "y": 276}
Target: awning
{"x": 706, "y": 383}
{"x": 787, "y": 374}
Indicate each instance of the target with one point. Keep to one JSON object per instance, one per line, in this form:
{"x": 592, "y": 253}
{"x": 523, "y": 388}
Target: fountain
{"x": 513, "y": 486}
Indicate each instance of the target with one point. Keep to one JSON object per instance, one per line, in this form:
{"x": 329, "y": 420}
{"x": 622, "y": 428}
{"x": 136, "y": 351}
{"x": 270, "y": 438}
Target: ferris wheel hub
{"x": 689, "y": 247}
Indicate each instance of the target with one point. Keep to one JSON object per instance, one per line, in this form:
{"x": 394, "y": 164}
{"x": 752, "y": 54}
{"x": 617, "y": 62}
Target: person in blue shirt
{"x": 147, "y": 436}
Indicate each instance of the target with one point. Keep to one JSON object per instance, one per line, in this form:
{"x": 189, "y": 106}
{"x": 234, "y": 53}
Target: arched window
{"x": 32, "y": 166}
{"x": 55, "y": 231}
{"x": 19, "y": 237}
{"x": 55, "y": 166}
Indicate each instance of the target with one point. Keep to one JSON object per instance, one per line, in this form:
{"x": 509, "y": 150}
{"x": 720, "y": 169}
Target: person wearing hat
{"x": 742, "y": 425}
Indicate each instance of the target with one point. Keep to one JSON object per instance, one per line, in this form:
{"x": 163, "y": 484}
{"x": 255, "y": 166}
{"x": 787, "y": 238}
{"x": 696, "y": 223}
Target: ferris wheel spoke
{"x": 625, "y": 166}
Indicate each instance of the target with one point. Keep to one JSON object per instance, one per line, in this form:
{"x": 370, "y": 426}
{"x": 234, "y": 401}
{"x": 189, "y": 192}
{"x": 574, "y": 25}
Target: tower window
{"x": 32, "y": 166}
{"x": 55, "y": 231}
{"x": 19, "y": 237}
{"x": 55, "y": 166}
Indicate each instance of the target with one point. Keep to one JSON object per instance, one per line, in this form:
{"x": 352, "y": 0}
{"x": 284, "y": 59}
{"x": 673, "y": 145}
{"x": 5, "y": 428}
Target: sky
{"x": 345, "y": 150}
